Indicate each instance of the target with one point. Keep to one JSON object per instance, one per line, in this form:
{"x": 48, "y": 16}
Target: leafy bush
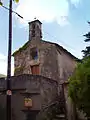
{"x": 79, "y": 86}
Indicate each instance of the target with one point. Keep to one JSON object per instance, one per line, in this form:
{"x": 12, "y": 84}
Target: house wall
{"x": 46, "y": 89}
{"x": 23, "y": 61}
{"x": 53, "y": 63}
{"x": 66, "y": 65}
{"x": 47, "y": 61}
{"x": 69, "y": 104}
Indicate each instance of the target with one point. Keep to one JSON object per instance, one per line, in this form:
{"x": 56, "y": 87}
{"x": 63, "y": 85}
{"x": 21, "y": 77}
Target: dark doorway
{"x": 31, "y": 114}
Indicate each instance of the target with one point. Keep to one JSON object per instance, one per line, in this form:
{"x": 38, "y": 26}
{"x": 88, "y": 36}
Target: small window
{"x": 33, "y": 33}
{"x": 35, "y": 69}
{"x": 34, "y": 53}
{"x": 33, "y": 30}
{"x": 33, "y": 26}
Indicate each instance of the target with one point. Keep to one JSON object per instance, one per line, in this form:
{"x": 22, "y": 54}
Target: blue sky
{"x": 64, "y": 22}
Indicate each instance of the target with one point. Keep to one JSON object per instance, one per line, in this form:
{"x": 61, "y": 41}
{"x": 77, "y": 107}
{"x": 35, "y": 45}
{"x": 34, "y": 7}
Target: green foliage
{"x": 87, "y": 37}
{"x": 86, "y": 52}
{"x": 79, "y": 86}
{"x": 18, "y": 69}
{"x": 13, "y": 0}
{"x": 16, "y": 1}
{"x": 20, "y": 49}
{"x": 1, "y": 3}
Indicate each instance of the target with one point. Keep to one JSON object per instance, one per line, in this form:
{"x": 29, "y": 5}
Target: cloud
{"x": 44, "y": 10}
{"x": 2, "y": 57}
{"x": 3, "y": 65}
{"x": 74, "y": 2}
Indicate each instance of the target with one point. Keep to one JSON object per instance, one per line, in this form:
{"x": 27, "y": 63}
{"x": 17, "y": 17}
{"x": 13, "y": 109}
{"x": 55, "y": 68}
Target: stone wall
{"x": 49, "y": 63}
{"x": 66, "y": 65}
{"x": 53, "y": 61}
{"x": 47, "y": 60}
{"x": 42, "y": 91}
{"x": 69, "y": 104}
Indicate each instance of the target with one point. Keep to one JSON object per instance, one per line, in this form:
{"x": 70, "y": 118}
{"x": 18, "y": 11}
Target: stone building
{"x": 40, "y": 70}
{"x": 39, "y": 57}
{"x": 42, "y": 91}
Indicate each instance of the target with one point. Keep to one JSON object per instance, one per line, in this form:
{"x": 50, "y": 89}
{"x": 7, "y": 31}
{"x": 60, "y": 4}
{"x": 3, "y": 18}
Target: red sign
{"x": 9, "y": 92}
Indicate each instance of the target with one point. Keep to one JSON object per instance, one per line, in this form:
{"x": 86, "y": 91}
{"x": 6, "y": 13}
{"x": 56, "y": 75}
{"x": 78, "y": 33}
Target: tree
{"x": 79, "y": 86}
{"x": 86, "y": 52}
{"x": 2, "y": 3}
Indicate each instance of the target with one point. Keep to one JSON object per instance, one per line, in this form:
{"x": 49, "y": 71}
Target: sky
{"x": 63, "y": 22}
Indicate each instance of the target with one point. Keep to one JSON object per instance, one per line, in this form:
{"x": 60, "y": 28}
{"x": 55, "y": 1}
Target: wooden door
{"x": 35, "y": 69}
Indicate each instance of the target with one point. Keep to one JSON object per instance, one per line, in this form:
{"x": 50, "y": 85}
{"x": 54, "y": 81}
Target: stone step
{"x": 60, "y": 119}
{"x": 61, "y": 116}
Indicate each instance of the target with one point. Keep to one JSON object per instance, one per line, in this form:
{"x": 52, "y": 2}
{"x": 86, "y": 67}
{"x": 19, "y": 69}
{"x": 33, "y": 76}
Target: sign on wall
{"x": 28, "y": 102}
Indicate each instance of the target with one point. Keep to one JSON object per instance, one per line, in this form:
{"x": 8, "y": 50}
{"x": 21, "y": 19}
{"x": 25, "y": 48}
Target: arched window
{"x": 34, "y": 53}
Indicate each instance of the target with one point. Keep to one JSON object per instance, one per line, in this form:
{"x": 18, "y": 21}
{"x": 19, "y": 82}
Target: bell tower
{"x": 35, "y": 30}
